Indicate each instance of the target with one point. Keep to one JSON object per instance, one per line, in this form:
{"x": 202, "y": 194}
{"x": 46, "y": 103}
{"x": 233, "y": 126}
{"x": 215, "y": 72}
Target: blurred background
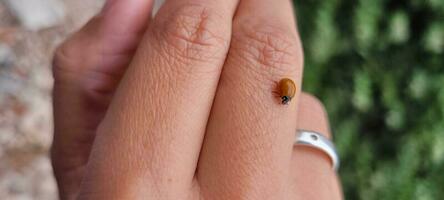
{"x": 377, "y": 65}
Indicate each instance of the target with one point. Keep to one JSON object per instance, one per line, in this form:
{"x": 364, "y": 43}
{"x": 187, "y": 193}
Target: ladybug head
{"x": 285, "y": 99}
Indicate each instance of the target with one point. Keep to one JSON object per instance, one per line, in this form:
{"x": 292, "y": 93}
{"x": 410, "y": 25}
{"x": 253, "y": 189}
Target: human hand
{"x": 194, "y": 115}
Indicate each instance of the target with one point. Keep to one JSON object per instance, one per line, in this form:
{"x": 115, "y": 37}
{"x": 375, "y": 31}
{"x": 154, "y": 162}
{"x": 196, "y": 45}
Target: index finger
{"x": 152, "y": 134}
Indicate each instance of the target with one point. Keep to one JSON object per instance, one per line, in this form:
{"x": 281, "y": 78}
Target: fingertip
{"x": 127, "y": 16}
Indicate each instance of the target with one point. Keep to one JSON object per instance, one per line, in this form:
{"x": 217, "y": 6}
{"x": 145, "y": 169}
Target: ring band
{"x": 318, "y": 141}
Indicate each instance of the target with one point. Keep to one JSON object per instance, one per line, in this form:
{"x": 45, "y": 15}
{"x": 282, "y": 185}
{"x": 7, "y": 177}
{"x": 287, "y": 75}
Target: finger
{"x": 160, "y": 110}
{"x": 86, "y": 69}
{"x": 313, "y": 176}
{"x": 88, "y": 65}
{"x": 248, "y": 145}
{"x": 104, "y": 46}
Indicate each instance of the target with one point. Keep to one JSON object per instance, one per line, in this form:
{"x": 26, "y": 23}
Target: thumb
{"x": 87, "y": 68}
{"x": 106, "y": 43}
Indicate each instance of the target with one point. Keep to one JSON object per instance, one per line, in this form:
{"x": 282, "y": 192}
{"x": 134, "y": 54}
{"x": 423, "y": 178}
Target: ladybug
{"x": 287, "y": 90}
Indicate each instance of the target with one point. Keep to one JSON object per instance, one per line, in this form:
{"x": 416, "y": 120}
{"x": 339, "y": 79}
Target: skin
{"x": 180, "y": 106}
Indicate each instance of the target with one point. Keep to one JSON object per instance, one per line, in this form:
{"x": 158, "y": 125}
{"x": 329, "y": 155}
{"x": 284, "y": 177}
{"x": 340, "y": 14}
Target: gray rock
{"x": 157, "y": 5}
{"x": 37, "y": 14}
{"x": 6, "y": 56}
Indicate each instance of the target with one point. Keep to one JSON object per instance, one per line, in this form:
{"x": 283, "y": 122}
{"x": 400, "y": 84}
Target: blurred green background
{"x": 378, "y": 66}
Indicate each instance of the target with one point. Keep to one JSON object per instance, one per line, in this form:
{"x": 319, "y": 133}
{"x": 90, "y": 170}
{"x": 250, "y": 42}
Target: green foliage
{"x": 378, "y": 66}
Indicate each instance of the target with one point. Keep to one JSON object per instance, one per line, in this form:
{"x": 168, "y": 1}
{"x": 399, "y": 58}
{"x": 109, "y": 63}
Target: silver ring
{"x": 316, "y": 140}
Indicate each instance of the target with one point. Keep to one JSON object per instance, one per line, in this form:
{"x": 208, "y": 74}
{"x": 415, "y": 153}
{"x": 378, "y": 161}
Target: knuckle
{"x": 62, "y": 60}
{"x": 312, "y": 109}
{"x": 314, "y": 102}
{"x": 72, "y": 58}
{"x": 193, "y": 31}
{"x": 77, "y": 51}
{"x": 268, "y": 48}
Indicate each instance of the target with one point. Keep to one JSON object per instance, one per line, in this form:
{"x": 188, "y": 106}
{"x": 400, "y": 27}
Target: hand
{"x": 190, "y": 114}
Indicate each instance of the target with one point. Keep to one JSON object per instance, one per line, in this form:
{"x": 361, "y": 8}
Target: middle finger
{"x": 248, "y": 144}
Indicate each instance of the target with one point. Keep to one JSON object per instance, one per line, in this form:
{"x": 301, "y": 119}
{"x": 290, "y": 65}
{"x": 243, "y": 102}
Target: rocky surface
{"x": 37, "y": 14}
